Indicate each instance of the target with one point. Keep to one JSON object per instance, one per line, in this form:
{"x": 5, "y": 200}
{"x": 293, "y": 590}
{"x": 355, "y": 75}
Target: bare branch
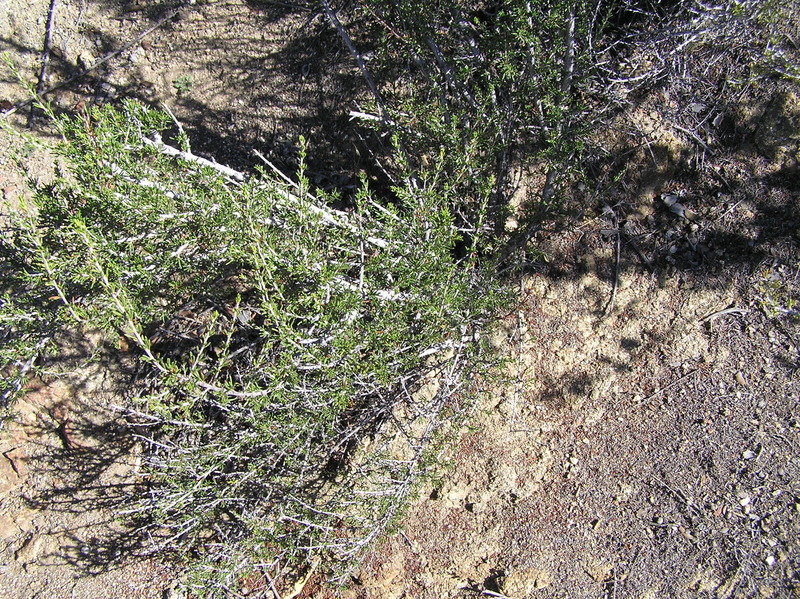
{"x": 334, "y": 20}
{"x": 45, "y": 54}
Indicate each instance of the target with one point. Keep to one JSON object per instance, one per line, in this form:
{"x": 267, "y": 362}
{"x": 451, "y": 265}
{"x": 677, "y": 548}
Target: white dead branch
{"x": 329, "y": 216}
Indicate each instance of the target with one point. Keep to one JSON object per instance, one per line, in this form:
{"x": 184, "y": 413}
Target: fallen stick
{"x": 332, "y": 217}
{"x": 719, "y": 313}
{"x": 565, "y": 89}
{"x": 645, "y": 260}
{"x": 334, "y": 20}
{"x": 48, "y": 35}
{"x": 190, "y": 157}
{"x": 669, "y": 386}
{"x": 275, "y": 169}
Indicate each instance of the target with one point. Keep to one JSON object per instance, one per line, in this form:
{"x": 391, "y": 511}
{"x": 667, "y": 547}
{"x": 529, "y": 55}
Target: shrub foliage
{"x": 299, "y": 362}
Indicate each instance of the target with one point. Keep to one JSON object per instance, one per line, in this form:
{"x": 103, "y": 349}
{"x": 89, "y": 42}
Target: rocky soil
{"x": 645, "y": 446}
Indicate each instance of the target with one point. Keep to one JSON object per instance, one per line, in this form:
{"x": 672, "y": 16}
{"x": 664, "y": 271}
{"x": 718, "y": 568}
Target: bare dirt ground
{"x": 645, "y": 449}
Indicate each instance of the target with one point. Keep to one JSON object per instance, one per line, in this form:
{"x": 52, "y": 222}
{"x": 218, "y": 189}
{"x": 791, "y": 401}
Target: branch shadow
{"x": 738, "y": 188}
{"x": 291, "y": 74}
{"x": 80, "y": 459}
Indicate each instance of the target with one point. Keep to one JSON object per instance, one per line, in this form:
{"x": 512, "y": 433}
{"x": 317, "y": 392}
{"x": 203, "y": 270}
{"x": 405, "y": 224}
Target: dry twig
{"x": 334, "y": 20}
{"x": 669, "y": 386}
{"x": 718, "y": 313}
{"x": 45, "y": 55}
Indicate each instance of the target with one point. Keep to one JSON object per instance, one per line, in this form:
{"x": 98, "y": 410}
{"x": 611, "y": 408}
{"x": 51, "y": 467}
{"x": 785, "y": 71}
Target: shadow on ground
{"x": 239, "y": 76}
{"x": 76, "y": 453}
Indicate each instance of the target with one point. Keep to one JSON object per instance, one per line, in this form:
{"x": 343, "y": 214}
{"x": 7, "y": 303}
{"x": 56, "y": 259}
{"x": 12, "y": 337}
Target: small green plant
{"x": 777, "y": 292}
{"x": 183, "y": 85}
{"x": 28, "y": 324}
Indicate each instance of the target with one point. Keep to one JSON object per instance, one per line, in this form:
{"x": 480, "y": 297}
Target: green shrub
{"x": 299, "y": 363}
{"x": 484, "y": 91}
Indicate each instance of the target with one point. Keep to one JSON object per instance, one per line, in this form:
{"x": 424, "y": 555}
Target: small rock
{"x": 25, "y": 519}
{"x": 85, "y": 60}
{"x": 600, "y": 571}
{"x": 475, "y": 507}
{"x": 18, "y": 457}
{"x": 31, "y": 549}
{"x": 457, "y": 494}
{"x": 8, "y": 528}
{"x": 521, "y": 582}
{"x": 9, "y": 473}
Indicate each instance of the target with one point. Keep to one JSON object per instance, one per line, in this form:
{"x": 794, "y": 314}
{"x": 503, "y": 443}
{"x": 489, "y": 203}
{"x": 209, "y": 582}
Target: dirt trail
{"x": 642, "y": 454}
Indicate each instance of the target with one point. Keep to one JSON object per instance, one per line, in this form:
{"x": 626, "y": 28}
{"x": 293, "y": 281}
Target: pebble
{"x": 85, "y": 60}
{"x": 522, "y": 582}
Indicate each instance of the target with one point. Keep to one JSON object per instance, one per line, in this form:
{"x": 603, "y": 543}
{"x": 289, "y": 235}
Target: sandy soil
{"x": 649, "y": 449}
